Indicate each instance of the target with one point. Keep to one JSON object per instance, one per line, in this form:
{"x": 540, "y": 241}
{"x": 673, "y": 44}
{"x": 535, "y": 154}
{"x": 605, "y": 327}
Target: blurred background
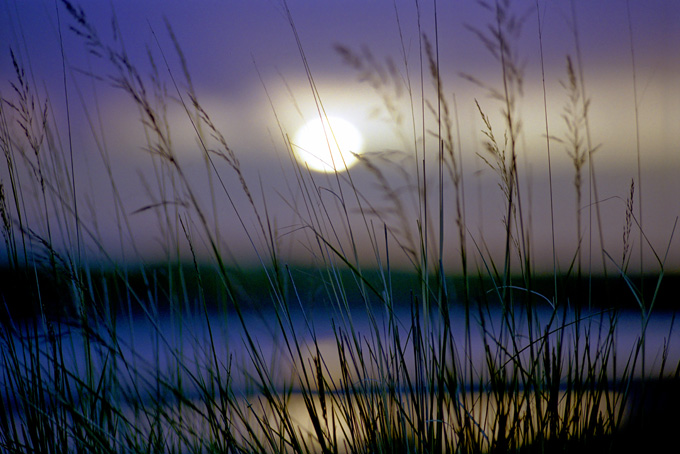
{"x": 247, "y": 71}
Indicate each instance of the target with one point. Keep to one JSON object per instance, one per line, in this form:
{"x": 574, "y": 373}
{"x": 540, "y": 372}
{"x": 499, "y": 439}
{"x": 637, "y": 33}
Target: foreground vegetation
{"x": 352, "y": 355}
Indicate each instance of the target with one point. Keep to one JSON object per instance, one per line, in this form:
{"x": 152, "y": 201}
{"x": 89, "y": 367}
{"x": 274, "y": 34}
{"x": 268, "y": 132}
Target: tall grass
{"x": 234, "y": 360}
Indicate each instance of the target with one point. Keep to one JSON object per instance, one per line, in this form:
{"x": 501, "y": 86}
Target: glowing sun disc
{"x": 326, "y": 149}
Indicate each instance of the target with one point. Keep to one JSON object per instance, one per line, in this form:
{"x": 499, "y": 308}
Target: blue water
{"x": 147, "y": 351}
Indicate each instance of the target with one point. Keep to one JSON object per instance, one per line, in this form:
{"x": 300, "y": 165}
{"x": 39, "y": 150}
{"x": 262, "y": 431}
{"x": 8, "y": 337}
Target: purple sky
{"x": 226, "y": 42}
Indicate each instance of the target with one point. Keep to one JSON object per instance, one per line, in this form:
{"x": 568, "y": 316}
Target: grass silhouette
{"x": 350, "y": 353}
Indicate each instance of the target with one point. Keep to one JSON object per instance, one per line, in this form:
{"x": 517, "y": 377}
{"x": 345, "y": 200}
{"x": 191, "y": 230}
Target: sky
{"x": 248, "y": 74}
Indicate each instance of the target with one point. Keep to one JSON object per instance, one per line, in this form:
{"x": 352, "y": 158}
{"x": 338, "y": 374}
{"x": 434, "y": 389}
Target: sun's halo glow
{"x": 328, "y": 145}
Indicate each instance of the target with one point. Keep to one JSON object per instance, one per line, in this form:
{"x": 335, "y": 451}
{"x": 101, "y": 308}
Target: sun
{"x": 328, "y": 145}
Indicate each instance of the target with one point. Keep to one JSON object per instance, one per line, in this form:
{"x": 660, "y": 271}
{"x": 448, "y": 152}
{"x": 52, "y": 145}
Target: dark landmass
{"x": 28, "y": 292}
